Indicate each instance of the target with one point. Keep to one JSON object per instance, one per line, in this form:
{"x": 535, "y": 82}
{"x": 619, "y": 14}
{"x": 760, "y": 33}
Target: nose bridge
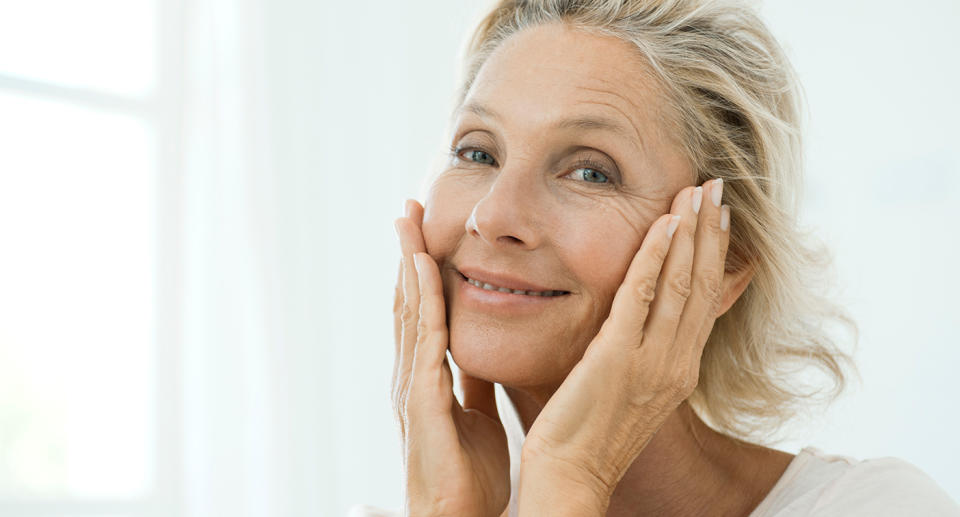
{"x": 505, "y": 213}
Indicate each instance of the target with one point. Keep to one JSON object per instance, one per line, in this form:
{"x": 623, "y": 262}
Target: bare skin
{"x": 686, "y": 469}
{"x": 603, "y": 215}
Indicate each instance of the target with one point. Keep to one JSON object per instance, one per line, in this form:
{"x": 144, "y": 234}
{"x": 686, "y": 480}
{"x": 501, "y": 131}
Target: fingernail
{"x": 725, "y": 217}
{"x": 416, "y": 262}
{"x": 697, "y": 198}
{"x": 716, "y": 190}
{"x": 674, "y": 222}
{"x": 396, "y": 229}
{"x": 406, "y": 208}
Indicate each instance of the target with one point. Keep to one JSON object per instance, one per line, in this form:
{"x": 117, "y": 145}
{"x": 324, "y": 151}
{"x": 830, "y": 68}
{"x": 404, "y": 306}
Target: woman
{"x": 614, "y": 242}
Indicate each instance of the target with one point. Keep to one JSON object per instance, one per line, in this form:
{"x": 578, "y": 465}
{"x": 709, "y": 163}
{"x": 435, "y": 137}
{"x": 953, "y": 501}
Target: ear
{"x": 733, "y": 286}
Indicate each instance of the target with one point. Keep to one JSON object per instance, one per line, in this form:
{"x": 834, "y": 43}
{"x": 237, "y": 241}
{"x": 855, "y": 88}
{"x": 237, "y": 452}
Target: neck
{"x": 687, "y": 468}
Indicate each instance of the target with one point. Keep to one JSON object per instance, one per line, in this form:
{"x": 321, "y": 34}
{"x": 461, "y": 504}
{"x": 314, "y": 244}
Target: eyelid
{"x": 484, "y": 140}
{"x": 611, "y": 171}
{"x": 456, "y": 152}
{"x": 586, "y": 162}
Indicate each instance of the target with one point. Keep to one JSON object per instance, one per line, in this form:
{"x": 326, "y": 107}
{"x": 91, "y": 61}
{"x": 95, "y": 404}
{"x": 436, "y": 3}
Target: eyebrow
{"x": 583, "y": 123}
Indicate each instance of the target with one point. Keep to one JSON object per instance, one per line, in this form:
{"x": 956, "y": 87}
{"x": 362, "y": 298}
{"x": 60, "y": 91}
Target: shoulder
{"x": 886, "y": 486}
{"x": 365, "y": 510}
{"x": 825, "y": 485}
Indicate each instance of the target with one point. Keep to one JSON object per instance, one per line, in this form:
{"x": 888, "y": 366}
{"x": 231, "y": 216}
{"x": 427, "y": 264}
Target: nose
{"x": 505, "y": 216}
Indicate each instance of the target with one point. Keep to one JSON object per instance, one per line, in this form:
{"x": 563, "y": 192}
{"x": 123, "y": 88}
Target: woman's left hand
{"x": 642, "y": 364}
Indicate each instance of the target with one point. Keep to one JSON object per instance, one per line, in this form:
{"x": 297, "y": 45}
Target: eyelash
{"x": 583, "y": 163}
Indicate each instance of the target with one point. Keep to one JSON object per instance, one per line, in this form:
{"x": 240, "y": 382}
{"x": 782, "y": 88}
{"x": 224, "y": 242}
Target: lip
{"x": 503, "y": 305}
{"x": 502, "y": 280}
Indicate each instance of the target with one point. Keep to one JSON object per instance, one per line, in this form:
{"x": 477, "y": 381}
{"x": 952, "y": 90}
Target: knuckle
{"x": 680, "y": 284}
{"x": 644, "y": 291}
{"x": 711, "y": 225}
{"x": 425, "y": 330}
{"x": 403, "y": 421}
{"x": 710, "y": 288}
{"x": 398, "y": 405}
{"x": 408, "y": 316}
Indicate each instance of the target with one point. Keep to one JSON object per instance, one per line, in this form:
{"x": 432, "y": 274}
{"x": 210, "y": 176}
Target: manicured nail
{"x": 396, "y": 229}
{"x": 716, "y": 190}
{"x": 697, "y": 199}
{"x": 672, "y": 227}
{"x": 725, "y": 217}
{"x": 406, "y": 208}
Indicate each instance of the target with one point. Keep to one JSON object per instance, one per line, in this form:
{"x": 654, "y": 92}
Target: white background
{"x": 197, "y": 256}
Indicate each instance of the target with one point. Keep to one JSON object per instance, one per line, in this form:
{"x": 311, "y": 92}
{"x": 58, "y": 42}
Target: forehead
{"x": 556, "y": 75}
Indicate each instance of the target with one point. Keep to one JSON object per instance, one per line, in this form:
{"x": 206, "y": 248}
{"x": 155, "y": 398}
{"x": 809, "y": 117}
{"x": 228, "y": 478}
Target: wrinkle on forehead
{"x": 609, "y": 75}
{"x": 639, "y": 137}
{"x": 639, "y": 102}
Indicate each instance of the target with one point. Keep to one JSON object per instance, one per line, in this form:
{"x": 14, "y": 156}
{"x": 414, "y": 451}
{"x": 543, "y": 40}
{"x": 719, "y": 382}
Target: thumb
{"x": 479, "y": 394}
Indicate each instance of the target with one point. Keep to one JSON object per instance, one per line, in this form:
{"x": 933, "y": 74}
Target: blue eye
{"x": 587, "y": 170}
{"x": 589, "y": 175}
{"x": 480, "y": 157}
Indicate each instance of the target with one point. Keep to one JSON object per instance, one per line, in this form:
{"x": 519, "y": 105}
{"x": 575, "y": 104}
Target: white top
{"x": 821, "y": 485}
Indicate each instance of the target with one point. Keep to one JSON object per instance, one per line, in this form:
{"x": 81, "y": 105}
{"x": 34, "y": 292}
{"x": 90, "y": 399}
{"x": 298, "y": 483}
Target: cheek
{"x": 437, "y": 236}
{"x": 600, "y": 258}
{"x": 602, "y": 242}
{"x": 446, "y": 209}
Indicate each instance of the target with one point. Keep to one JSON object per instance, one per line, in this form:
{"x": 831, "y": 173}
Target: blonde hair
{"x": 735, "y": 106}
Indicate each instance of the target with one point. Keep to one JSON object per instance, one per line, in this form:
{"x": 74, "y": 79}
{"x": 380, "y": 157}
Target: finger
{"x": 431, "y": 385}
{"x": 631, "y": 303}
{"x": 414, "y": 210}
{"x": 725, "y": 241}
{"x": 406, "y": 306}
{"x": 411, "y": 241}
{"x": 432, "y": 337}
{"x": 673, "y": 287}
{"x": 448, "y": 381}
{"x": 724, "y": 246}
{"x": 398, "y": 311}
{"x": 706, "y": 277}
{"x": 479, "y": 394}
{"x": 397, "y": 332}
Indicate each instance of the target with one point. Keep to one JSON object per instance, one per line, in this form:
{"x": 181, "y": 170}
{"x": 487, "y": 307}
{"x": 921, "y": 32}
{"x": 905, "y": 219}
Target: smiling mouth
{"x": 491, "y": 287}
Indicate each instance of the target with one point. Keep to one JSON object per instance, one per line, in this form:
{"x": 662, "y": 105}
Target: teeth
{"x": 491, "y": 287}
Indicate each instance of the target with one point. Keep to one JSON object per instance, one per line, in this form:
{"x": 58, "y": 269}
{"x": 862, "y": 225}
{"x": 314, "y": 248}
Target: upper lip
{"x": 501, "y": 280}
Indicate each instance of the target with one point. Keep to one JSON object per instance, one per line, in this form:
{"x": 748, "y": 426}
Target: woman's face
{"x": 563, "y": 163}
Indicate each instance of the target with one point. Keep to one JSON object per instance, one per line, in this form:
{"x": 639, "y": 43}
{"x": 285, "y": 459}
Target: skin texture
{"x": 609, "y": 363}
{"x": 529, "y": 216}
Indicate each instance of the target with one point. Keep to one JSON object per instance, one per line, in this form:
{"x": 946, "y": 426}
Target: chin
{"x": 517, "y": 361}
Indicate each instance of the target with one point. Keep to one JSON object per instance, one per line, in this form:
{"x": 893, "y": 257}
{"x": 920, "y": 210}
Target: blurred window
{"x": 78, "y": 145}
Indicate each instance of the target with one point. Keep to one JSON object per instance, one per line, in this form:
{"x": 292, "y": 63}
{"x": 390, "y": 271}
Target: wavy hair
{"x": 734, "y": 107}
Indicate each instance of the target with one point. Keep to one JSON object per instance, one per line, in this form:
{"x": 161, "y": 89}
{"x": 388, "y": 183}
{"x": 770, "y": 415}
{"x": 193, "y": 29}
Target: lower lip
{"x": 508, "y": 303}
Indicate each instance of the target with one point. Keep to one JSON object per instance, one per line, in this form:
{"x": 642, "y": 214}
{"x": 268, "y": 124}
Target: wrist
{"x": 555, "y": 488}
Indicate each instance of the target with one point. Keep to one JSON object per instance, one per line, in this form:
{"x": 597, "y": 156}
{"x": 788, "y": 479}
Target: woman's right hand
{"x": 456, "y": 460}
